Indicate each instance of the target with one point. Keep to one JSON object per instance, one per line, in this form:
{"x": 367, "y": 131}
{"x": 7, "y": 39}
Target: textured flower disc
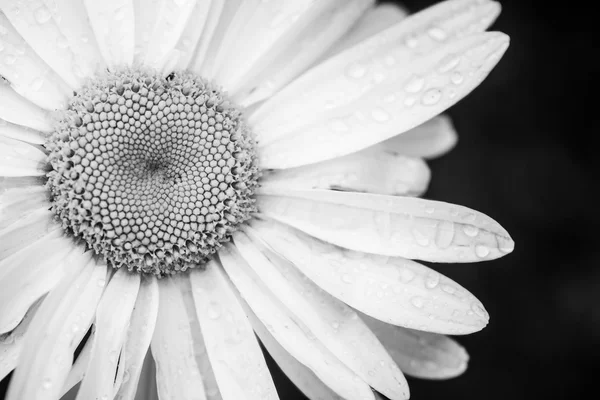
{"x": 153, "y": 173}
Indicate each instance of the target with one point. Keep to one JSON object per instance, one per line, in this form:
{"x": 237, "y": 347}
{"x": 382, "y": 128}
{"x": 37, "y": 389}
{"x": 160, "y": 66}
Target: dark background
{"x": 525, "y": 158}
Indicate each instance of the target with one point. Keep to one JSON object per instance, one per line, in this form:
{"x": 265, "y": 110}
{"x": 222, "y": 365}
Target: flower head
{"x": 176, "y": 176}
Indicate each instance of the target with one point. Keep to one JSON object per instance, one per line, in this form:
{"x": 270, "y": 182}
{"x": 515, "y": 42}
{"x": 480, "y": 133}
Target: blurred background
{"x": 525, "y": 158}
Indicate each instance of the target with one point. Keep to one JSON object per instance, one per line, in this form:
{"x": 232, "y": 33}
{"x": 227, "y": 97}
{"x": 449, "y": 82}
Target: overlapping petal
{"x": 18, "y": 110}
{"x": 21, "y": 159}
{"x": 391, "y": 289}
{"x": 290, "y": 332}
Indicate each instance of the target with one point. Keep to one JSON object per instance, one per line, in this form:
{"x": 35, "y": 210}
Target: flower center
{"x": 153, "y": 173}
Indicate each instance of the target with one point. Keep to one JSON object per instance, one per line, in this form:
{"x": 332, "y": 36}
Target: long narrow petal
{"x": 11, "y": 344}
{"x": 375, "y": 170}
{"x": 391, "y": 225}
{"x": 298, "y": 49}
{"x": 334, "y": 323}
{"x": 420, "y": 354}
{"x": 218, "y": 23}
{"x": 21, "y": 133}
{"x": 42, "y": 26}
{"x": 112, "y": 318}
{"x": 18, "y": 110}
{"x": 139, "y": 336}
{"x": 79, "y": 367}
{"x": 113, "y": 24}
{"x": 299, "y": 374}
{"x": 23, "y": 233}
{"x": 290, "y": 332}
{"x": 170, "y": 22}
{"x": 183, "y": 52}
{"x": 56, "y": 330}
{"x": 177, "y": 373}
{"x": 377, "y": 19}
{"x": 394, "y": 290}
{"x": 429, "y": 140}
{"x": 237, "y": 360}
{"x": 416, "y": 93}
{"x": 27, "y": 73}
{"x": 21, "y": 159}
{"x": 17, "y": 203}
{"x": 378, "y": 62}
{"x": 27, "y": 277}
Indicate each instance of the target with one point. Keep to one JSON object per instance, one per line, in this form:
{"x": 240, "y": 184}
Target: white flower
{"x": 155, "y": 210}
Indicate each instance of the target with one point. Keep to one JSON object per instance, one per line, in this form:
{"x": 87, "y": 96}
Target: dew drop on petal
{"x": 42, "y": 15}
{"x": 415, "y": 84}
{"x": 417, "y": 302}
{"x": 380, "y": 115}
{"x": 482, "y": 251}
{"x": 471, "y": 230}
{"x": 431, "y": 97}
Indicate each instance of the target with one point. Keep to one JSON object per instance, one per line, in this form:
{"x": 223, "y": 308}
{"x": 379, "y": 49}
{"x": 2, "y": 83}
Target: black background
{"x": 525, "y": 157}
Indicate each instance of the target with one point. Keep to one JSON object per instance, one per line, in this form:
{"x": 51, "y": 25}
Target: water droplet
{"x": 335, "y": 325}
{"x": 410, "y": 101}
{"x": 479, "y": 310}
{"x": 456, "y": 78}
{"x": 433, "y": 279}
{"x": 380, "y": 115}
{"x": 471, "y": 230}
{"x": 420, "y": 238}
{"x": 482, "y": 251}
{"x": 356, "y": 71}
{"x": 37, "y": 84}
{"x": 213, "y": 310}
{"x": 417, "y": 302}
{"x": 101, "y": 282}
{"x": 347, "y": 278}
{"x": 411, "y": 42}
{"x": 415, "y": 84}
{"x": 431, "y": 97}
{"x": 448, "y": 63}
{"x": 406, "y": 275}
{"x": 10, "y": 59}
{"x": 42, "y": 15}
{"x": 437, "y": 33}
{"x": 47, "y": 384}
{"x": 429, "y": 210}
{"x": 449, "y": 289}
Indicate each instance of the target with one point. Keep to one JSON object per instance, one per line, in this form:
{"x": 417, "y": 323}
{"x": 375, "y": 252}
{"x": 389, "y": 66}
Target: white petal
{"x": 16, "y": 203}
{"x": 145, "y": 16}
{"x": 419, "y": 91}
{"x": 112, "y": 319}
{"x": 306, "y": 39}
{"x": 375, "y": 20}
{"x": 220, "y": 15}
{"x": 21, "y": 133}
{"x": 146, "y": 389}
{"x": 300, "y": 375}
{"x": 237, "y": 360}
{"x": 392, "y": 289}
{"x": 18, "y": 110}
{"x": 29, "y": 274}
{"x": 421, "y": 354}
{"x": 27, "y": 73}
{"x": 335, "y": 324}
{"x": 391, "y": 225}
{"x": 11, "y": 344}
{"x": 42, "y": 28}
{"x": 21, "y": 159}
{"x": 139, "y": 335}
{"x": 55, "y": 332}
{"x": 377, "y": 62}
{"x": 79, "y": 368}
{"x": 429, "y": 140}
{"x": 290, "y": 332}
{"x": 183, "y": 52}
{"x": 169, "y": 23}
{"x": 113, "y": 24}
{"x": 25, "y": 232}
{"x": 177, "y": 373}
{"x": 373, "y": 170}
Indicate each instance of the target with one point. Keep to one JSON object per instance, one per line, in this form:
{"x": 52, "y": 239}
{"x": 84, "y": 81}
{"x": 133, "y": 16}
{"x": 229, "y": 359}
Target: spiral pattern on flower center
{"x": 153, "y": 173}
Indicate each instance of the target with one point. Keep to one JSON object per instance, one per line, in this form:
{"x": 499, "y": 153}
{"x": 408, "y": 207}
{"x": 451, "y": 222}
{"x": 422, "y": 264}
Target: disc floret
{"x": 153, "y": 173}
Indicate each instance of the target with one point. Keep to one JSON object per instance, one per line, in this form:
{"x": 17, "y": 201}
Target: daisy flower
{"x": 178, "y": 175}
